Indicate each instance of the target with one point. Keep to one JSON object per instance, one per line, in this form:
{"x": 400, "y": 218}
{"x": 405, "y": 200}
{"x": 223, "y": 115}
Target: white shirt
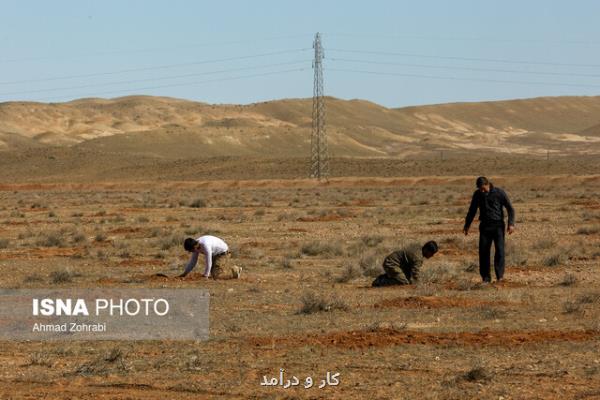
{"x": 210, "y": 246}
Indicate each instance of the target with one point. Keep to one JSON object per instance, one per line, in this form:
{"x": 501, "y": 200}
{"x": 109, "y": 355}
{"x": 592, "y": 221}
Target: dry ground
{"x": 315, "y": 248}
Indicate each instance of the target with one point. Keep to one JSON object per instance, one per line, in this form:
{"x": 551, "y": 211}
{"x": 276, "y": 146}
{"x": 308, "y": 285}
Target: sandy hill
{"x": 167, "y": 128}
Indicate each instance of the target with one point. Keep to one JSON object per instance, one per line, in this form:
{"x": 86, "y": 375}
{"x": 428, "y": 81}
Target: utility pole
{"x": 319, "y": 154}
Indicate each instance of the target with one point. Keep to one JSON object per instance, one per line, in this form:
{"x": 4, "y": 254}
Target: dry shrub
{"x": 41, "y": 359}
{"x": 572, "y": 307}
{"x": 62, "y": 276}
{"x": 170, "y": 242}
{"x": 555, "y": 259}
{"x": 110, "y": 363}
{"x": 318, "y": 248}
{"x": 370, "y": 266}
{"x": 569, "y": 280}
{"x": 516, "y": 254}
{"x": 53, "y": 239}
{"x": 198, "y": 203}
{"x": 436, "y": 274}
{"x": 350, "y": 272}
{"x": 545, "y": 244}
{"x": 313, "y": 303}
{"x": 476, "y": 374}
{"x": 489, "y": 312}
{"x": 589, "y": 230}
{"x": 286, "y": 262}
{"x": 372, "y": 240}
{"x": 33, "y": 278}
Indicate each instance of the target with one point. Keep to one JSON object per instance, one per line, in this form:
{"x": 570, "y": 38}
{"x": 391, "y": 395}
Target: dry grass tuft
{"x": 313, "y": 303}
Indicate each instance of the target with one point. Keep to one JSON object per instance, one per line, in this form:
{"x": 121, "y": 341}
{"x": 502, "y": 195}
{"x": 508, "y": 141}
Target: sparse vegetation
{"x": 41, "y": 359}
{"x": 112, "y": 362}
{"x": 572, "y": 307}
{"x": 569, "y": 280}
{"x": 319, "y": 248}
{"x": 33, "y": 278}
{"x": 317, "y": 306}
{"x": 286, "y": 263}
{"x": 62, "y": 276}
{"x": 314, "y": 303}
{"x": 79, "y": 238}
{"x": 556, "y": 259}
{"x": 198, "y": 203}
{"x": 544, "y": 244}
{"x": 372, "y": 240}
{"x": 370, "y": 266}
{"x": 476, "y": 374}
{"x": 490, "y": 312}
{"x": 516, "y": 254}
{"x": 589, "y": 230}
{"x": 437, "y": 274}
{"x": 349, "y": 272}
{"x": 54, "y": 239}
{"x": 170, "y": 242}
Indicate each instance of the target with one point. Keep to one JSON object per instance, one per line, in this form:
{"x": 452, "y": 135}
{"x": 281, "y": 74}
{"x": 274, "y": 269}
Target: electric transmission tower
{"x": 319, "y": 154}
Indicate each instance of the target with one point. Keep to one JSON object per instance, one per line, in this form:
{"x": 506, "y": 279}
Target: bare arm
{"x": 191, "y": 264}
{"x": 207, "y": 261}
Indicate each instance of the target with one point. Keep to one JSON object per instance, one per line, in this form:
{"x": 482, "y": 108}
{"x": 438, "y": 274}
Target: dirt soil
{"x": 304, "y": 303}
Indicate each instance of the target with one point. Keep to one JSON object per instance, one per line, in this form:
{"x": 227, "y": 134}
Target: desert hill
{"x": 174, "y": 128}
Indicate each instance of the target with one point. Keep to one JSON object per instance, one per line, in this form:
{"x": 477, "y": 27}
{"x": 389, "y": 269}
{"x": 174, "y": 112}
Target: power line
{"x": 465, "y": 68}
{"x": 502, "y": 61}
{"x": 466, "y": 39}
{"x": 152, "y": 79}
{"x": 152, "y": 50}
{"x": 177, "y": 84}
{"x": 169, "y": 66}
{"x": 461, "y": 79}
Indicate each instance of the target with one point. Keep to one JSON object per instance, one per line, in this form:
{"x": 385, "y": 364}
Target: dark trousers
{"x": 489, "y": 234}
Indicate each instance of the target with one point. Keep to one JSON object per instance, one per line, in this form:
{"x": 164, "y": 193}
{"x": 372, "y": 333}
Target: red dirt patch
{"x": 508, "y": 284}
{"x": 107, "y": 281}
{"x": 438, "y": 231}
{"x": 324, "y": 218}
{"x": 257, "y": 244}
{"x": 125, "y": 230}
{"x": 297, "y": 230}
{"x": 134, "y": 263}
{"x": 502, "y": 284}
{"x": 391, "y": 337}
{"x": 362, "y": 202}
{"x": 164, "y": 278}
{"x": 40, "y": 253}
{"x": 433, "y": 302}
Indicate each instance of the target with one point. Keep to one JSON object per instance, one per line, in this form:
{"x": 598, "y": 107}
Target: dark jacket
{"x": 409, "y": 261}
{"x": 490, "y": 207}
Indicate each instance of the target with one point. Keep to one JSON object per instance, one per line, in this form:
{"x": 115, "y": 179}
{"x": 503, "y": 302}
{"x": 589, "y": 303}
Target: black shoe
{"x": 384, "y": 280}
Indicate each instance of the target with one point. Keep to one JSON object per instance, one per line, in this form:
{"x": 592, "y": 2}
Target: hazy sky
{"x": 395, "y": 53}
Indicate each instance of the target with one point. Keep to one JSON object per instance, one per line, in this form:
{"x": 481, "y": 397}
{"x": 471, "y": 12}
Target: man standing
{"x": 402, "y": 266}
{"x": 216, "y": 256}
{"x": 491, "y": 202}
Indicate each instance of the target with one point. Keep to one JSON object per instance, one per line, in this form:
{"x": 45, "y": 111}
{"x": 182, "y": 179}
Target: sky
{"x": 395, "y": 53}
